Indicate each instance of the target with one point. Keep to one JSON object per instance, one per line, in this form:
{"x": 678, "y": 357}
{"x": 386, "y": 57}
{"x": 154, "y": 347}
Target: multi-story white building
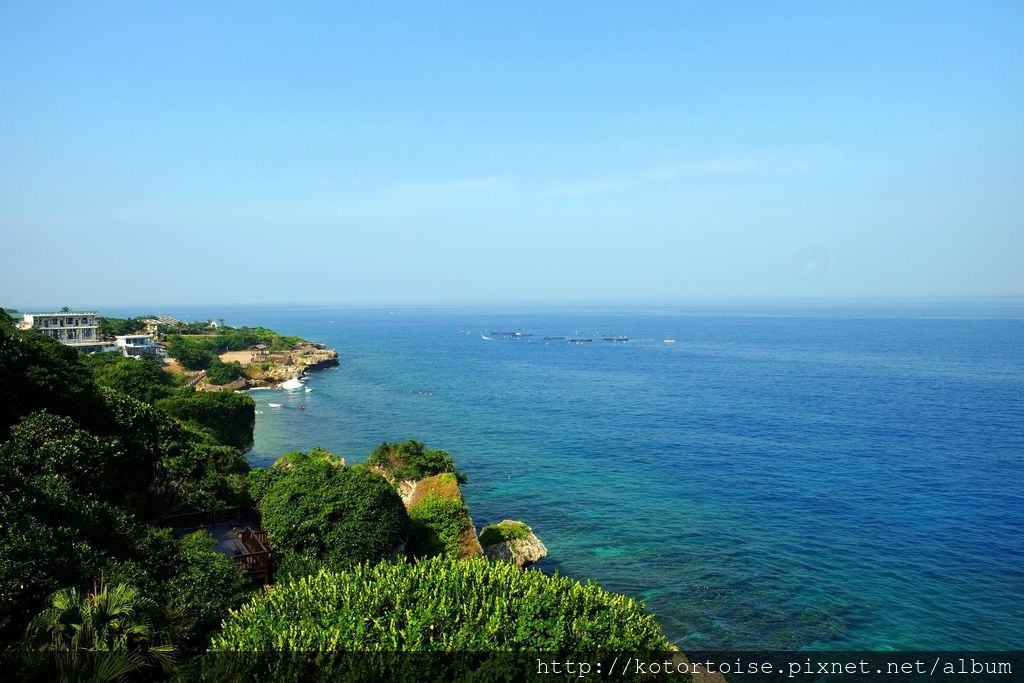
{"x": 78, "y": 329}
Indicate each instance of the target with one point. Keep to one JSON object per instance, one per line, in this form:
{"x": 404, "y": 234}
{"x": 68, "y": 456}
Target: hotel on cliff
{"x": 78, "y": 329}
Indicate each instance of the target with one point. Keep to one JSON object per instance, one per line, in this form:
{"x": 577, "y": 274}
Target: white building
{"x": 137, "y": 345}
{"x": 78, "y": 329}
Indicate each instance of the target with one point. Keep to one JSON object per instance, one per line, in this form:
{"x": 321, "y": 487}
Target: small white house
{"x": 137, "y": 345}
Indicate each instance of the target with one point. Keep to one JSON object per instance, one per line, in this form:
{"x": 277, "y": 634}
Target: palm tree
{"x": 102, "y": 635}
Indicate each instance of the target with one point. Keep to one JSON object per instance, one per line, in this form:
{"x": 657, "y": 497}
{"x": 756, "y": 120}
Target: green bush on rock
{"x": 505, "y": 531}
{"x": 437, "y": 526}
{"x": 410, "y": 459}
{"x": 317, "y": 511}
{"x": 440, "y": 604}
{"x": 222, "y": 373}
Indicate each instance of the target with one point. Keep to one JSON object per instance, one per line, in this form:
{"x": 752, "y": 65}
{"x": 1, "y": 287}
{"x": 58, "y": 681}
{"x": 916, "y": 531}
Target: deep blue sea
{"x": 819, "y": 477}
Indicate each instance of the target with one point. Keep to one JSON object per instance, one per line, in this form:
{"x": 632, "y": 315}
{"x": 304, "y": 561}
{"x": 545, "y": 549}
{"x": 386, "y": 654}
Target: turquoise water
{"x": 829, "y": 478}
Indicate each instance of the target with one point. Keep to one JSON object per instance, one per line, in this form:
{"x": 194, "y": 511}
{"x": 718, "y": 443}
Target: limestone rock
{"x": 281, "y": 366}
{"x": 513, "y": 541}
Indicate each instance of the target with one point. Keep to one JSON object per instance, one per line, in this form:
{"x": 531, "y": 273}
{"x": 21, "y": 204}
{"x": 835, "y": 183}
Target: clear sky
{"x": 240, "y": 152}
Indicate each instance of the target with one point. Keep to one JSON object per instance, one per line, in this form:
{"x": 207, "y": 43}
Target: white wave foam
{"x": 293, "y": 383}
{"x": 275, "y": 405}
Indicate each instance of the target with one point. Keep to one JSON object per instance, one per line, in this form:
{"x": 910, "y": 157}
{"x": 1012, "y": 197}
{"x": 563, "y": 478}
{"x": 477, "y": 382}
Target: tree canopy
{"x": 81, "y": 465}
{"x": 139, "y": 377}
{"x": 410, "y": 459}
{"x": 229, "y": 416}
{"x": 318, "y": 512}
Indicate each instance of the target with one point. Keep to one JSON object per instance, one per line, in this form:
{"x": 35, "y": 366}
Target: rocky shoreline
{"x": 271, "y": 369}
{"x": 509, "y": 540}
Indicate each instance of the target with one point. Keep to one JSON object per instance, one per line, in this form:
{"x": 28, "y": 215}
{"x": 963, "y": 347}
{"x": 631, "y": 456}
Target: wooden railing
{"x": 194, "y": 378}
{"x": 255, "y": 541}
{"x": 256, "y": 562}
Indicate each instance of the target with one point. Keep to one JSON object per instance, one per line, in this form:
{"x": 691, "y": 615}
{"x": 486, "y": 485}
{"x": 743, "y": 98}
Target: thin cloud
{"x": 590, "y": 187}
{"x": 655, "y": 174}
{"x": 705, "y": 166}
{"x": 455, "y": 186}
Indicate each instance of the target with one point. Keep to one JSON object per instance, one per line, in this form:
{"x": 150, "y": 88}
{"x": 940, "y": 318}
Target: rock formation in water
{"x": 513, "y": 541}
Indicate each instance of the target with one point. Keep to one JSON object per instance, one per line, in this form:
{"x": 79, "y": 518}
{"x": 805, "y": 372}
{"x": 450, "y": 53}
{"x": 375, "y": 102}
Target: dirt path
{"x": 242, "y": 357}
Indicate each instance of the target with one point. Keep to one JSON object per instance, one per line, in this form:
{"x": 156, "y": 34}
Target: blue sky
{"x": 170, "y": 153}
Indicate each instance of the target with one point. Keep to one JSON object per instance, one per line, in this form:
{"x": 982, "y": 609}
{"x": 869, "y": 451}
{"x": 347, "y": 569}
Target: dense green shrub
{"x": 437, "y": 526}
{"x": 411, "y": 460}
{"x": 317, "y": 511}
{"x": 220, "y": 372}
{"x": 39, "y": 373}
{"x": 504, "y": 531}
{"x": 54, "y": 532}
{"x": 189, "y": 468}
{"x": 228, "y": 415}
{"x": 139, "y": 377}
{"x": 440, "y": 604}
{"x": 202, "y": 476}
{"x": 52, "y": 446}
{"x": 206, "y": 585}
{"x": 192, "y": 353}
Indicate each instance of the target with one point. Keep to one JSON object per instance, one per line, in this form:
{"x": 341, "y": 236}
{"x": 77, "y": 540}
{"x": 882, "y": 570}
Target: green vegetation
{"x": 81, "y": 465}
{"x": 229, "y": 416}
{"x": 440, "y": 604}
{"x": 139, "y": 377}
{"x": 39, "y": 373}
{"x": 503, "y": 531}
{"x": 206, "y": 587}
{"x": 410, "y": 460}
{"x": 197, "y": 345}
{"x": 193, "y": 354}
{"x": 105, "y": 634}
{"x": 221, "y": 373}
{"x": 318, "y": 512}
{"x": 437, "y": 526}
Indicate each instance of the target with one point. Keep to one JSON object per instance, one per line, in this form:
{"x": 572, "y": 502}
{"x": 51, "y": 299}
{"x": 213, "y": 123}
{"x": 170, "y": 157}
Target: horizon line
{"x": 833, "y": 300}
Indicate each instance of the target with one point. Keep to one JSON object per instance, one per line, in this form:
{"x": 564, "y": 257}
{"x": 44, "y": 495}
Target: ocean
{"x": 789, "y": 477}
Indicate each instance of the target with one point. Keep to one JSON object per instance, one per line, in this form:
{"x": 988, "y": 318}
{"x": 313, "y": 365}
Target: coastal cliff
{"x": 263, "y": 368}
{"x": 277, "y": 368}
{"x": 443, "y": 487}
